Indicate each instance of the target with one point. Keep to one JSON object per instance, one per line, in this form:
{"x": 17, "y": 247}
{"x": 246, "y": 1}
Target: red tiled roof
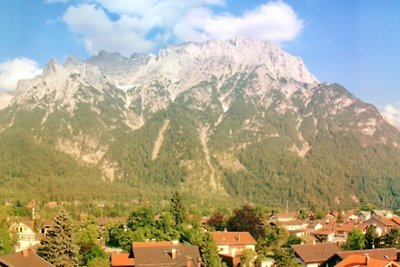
{"x": 379, "y": 253}
{"x": 122, "y": 260}
{"x": 293, "y": 223}
{"x": 233, "y": 238}
{"x": 170, "y": 255}
{"x": 384, "y": 221}
{"x": 364, "y": 261}
{"x": 316, "y": 253}
{"x": 346, "y": 227}
{"x": 396, "y": 220}
{"x": 25, "y": 258}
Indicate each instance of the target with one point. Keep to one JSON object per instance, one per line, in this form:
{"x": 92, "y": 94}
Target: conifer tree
{"x": 59, "y": 247}
{"x": 177, "y": 208}
{"x": 209, "y": 252}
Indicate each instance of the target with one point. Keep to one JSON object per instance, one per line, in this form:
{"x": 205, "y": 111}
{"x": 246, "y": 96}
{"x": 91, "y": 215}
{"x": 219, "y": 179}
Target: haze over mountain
{"x": 238, "y": 118}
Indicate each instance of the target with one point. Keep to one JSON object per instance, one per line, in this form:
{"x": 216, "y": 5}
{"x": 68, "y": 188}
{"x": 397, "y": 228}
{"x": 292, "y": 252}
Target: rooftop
{"x": 233, "y": 238}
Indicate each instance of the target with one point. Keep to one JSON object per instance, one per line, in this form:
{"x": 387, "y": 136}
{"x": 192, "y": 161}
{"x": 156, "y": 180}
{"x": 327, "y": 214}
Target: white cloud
{"x": 17, "y": 69}
{"x": 99, "y": 32}
{"x": 274, "y": 21}
{"x": 140, "y": 26}
{"x": 392, "y": 114}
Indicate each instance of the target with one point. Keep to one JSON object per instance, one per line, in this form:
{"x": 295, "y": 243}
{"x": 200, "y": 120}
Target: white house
{"x": 25, "y": 235}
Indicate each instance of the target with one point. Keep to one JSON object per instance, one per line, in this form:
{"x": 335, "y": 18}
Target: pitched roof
{"x": 364, "y": 261}
{"x": 233, "y": 238}
{"x": 346, "y": 227}
{"x": 379, "y": 253}
{"x": 319, "y": 252}
{"x": 25, "y": 258}
{"x": 172, "y": 255}
{"x": 396, "y": 220}
{"x": 152, "y": 244}
{"x": 384, "y": 221}
{"x": 122, "y": 259}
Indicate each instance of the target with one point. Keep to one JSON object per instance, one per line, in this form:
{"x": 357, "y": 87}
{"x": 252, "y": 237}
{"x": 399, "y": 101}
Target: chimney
{"x": 366, "y": 259}
{"x": 25, "y": 253}
{"x": 188, "y": 261}
{"x": 199, "y": 263}
{"x": 173, "y": 253}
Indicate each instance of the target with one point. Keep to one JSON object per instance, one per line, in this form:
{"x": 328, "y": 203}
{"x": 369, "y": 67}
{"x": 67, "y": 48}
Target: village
{"x": 352, "y": 238}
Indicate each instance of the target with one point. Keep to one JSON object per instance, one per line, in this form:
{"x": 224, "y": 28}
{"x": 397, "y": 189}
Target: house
{"x": 25, "y": 235}
{"x": 396, "y": 220}
{"x": 324, "y": 235}
{"x": 315, "y": 255}
{"x": 176, "y": 255}
{"x": 380, "y": 253}
{"x": 25, "y": 258}
{"x": 122, "y": 260}
{"x": 384, "y": 213}
{"x": 232, "y": 243}
{"x": 315, "y": 226}
{"x": 283, "y": 217}
{"x": 295, "y": 227}
{"x": 152, "y": 254}
{"x": 267, "y": 262}
{"x": 364, "y": 216}
{"x": 382, "y": 224}
{"x": 357, "y": 260}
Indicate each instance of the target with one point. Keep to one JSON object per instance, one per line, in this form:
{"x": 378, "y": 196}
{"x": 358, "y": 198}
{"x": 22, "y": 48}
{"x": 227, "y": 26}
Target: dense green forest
{"x": 252, "y": 149}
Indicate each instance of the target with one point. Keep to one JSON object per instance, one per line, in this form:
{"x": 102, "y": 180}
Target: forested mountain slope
{"x": 237, "y": 118}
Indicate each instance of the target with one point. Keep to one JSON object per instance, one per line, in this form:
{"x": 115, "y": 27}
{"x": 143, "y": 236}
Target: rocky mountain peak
{"x": 240, "y": 53}
{"x": 52, "y": 67}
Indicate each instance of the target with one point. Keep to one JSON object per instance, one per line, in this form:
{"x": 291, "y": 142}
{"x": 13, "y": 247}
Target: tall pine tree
{"x": 209, "y": 252}
{"x": 59, "y": 247}
{"x": 177, "y": 208}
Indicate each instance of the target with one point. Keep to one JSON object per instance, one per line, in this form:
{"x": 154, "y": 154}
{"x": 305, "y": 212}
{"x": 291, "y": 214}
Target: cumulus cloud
{"x": 274, "y": 21}
{"x": 129, "y": 26}
{"x": 17, "y": 69}
{"x": 392, "y": 114}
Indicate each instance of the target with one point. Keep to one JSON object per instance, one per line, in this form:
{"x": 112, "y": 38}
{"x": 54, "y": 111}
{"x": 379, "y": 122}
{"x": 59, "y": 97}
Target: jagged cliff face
{"x": 237, "y": 117}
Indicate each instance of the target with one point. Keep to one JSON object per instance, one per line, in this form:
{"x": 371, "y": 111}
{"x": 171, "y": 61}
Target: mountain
{"x": 236, "y": 119}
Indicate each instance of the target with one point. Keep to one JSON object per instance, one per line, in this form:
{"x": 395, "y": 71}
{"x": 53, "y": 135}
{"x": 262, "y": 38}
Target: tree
{"x": 166, "y": 225}
{"x": 355, "y": 240}
{"x": 209, "y": 252}
{"x": 141, "y": 217}
{"x": 217, "y": 221}
{"x": 339, "y": 218}
{"x": 284, "y": 258}
{"x": 177, "y": 208}
{"x": 292, "y": 240}
{"x": 99, "y": 262}
{"x": 6, "y": 242}
{"x": 392, "y": 238}
{"x": 371, "y": 238}
{"x": 247, "y": 257}
{"x": 246, "y": 219}
{"x": 59, "y": 247}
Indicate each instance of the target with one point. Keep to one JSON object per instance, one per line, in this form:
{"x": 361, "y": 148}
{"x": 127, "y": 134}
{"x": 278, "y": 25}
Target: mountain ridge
{"x": 241, "y": 118}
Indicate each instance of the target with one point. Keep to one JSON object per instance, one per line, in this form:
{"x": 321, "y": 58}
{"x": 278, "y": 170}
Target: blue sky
{"x": 355, "y": 43}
